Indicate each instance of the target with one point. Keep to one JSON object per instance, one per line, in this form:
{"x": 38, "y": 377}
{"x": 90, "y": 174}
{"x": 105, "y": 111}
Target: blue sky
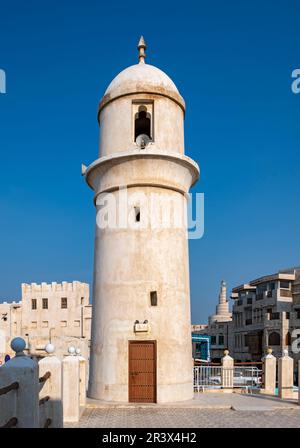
{"x": 232, "y": 62}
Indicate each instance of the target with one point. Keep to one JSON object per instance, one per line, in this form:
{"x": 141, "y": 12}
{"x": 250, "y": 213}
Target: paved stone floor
{"x": 186, "y": 418}
{"x": 206, "y": 410}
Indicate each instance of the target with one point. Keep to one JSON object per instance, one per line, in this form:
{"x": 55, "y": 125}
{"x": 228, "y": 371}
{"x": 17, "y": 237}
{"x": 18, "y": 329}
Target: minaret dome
{"x": 141, "y": 100}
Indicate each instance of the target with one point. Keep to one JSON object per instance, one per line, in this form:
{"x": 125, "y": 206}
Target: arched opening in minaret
{"x": 142, "y": 123}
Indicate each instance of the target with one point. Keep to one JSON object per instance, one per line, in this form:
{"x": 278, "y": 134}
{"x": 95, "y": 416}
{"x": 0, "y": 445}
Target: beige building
{"x": 265, "y": 313}
{"x": 59, "y": 313}
{"x": 141, "y": 328}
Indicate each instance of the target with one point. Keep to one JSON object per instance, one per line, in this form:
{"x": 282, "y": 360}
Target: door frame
{"x": 143, "y": 341}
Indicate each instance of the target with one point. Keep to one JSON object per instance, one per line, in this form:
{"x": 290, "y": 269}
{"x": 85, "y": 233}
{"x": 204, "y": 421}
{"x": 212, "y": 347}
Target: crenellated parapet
{"x": 54, "y": 287}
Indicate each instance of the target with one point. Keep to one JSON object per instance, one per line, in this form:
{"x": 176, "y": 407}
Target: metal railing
{"x": 244, "y": 377}
{"x": 210, "y": 377}
{"x": 207, "y": 377}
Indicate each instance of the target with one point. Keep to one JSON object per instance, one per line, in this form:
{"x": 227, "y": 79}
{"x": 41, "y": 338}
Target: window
{"x": 284, "y": 284}
{"x": 153, "y": 298}
{"x": 76, "y": 323}
{"x": 64, "y": 302}
{"x": 274, "y": 338}
{"x": 34, "y": 324}
{"x": 213, "y": 340}
{"x": 63, "y": 323}
{"x": 221, "y": 339}
{"x": 137, "y": 213}
{"x": 82, "y": 300}
{"x": 198, "y": 350}
{"x": 288, "y": 339}
{"x": 260, "y": 291}
{"x": 45, "y": 304}
{"x": 142, "y": 123}
{"x": 33, "y": 304}
{"x": 44, "y": 324}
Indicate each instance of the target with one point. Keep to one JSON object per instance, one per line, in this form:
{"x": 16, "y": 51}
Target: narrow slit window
{"x": 137, "y": 212}
{"x": 153, "y": 298}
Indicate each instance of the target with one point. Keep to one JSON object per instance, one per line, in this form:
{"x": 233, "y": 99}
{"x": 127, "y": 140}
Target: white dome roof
{"x": 141, "y": 78}
{"x": 141, "y": 74}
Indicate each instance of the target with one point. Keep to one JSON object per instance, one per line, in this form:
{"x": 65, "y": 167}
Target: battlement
{"x": 28, "y": 288}
{"x": 12, "y": 302}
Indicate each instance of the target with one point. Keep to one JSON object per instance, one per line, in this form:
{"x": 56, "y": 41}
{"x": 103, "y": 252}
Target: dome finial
{"x": 142, "y": 47}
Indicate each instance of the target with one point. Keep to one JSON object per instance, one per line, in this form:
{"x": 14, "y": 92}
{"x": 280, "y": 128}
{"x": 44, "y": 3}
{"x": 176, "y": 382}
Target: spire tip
{"x": 142, "y": 47}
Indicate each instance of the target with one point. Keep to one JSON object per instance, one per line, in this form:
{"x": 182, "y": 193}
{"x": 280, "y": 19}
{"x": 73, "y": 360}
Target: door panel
{"x": 142, "y": 371}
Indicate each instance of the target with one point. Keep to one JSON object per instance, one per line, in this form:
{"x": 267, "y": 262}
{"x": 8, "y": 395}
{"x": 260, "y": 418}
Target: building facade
{"x": 141, "y": 327}
{"x": 59, "y": 313}
{"x": 265, "y": 314}
{"x": 266, "y": 311}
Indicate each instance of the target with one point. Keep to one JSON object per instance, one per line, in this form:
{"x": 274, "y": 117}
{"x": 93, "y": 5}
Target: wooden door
{"x": 142, "y": 371}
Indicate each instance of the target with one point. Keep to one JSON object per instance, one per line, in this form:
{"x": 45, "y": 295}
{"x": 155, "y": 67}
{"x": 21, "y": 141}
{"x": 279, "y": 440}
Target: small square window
{"x": 45, "y": 304}
{"x": 64, "y": 302}
{"x": 153, "y": 298}
{"x": 34, "y": 324}
{"x": 76, "y": 323}
{"x": 63, "y": 323}
{"x": 33, "y": 304}
{"x": 44, "y": 324}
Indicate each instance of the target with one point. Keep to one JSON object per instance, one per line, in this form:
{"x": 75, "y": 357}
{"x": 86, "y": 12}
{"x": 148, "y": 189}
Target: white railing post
{"x": 52, "y": 387}
{"x": 71, "y": 403}
{"x": 23, "y": 370}
{"x": 285, "y": 376}
{"x": 82, "y": 378}
{"x": 269, "y": 373}
{"x": 227, "y": 371}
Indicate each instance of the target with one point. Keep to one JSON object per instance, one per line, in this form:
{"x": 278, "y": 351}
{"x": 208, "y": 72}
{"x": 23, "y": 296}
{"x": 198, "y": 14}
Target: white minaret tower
{"x": 141, "y": 327}
{"x": 222, "y": 309}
